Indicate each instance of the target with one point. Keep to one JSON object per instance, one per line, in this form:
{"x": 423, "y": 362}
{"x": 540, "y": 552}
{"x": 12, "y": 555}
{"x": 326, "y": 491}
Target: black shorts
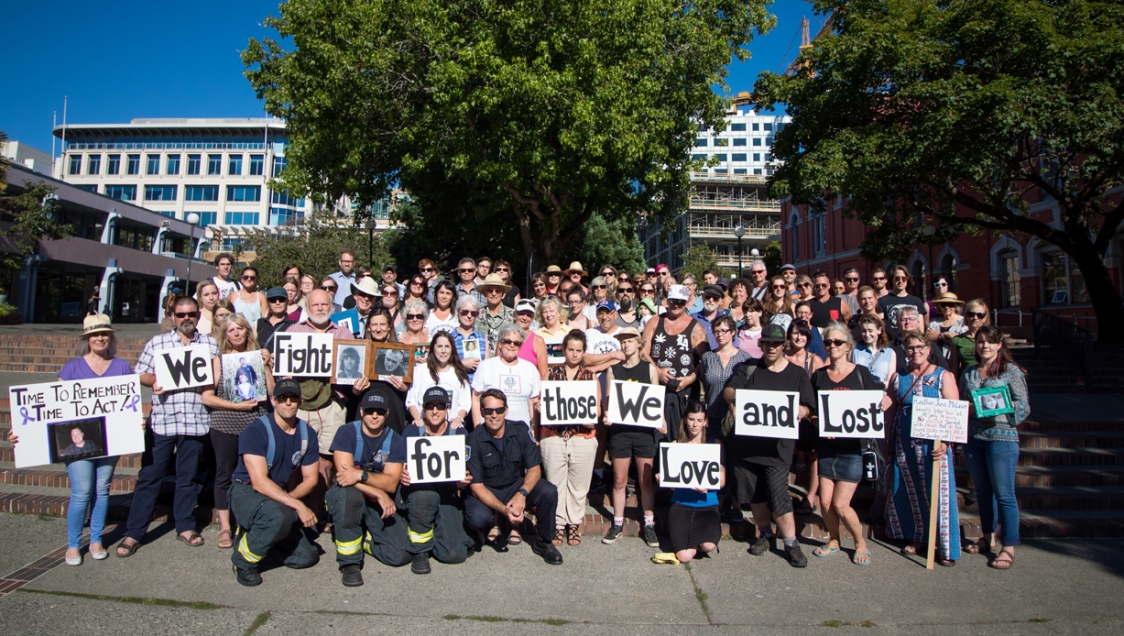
{"x": 809, "y": 436}
{"x": 690, "y": 527}
{"x": 759, "y": 483}
{"x": 631, "y": 442}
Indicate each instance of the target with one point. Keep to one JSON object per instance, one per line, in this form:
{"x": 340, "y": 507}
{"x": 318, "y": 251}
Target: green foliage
{"x": 956, "y": 113}
{"x": 7, "y": 310}
{"x": 447, "y": 234}
{"x": 773, "y": 257}
{"x": 699, "y": 258}
{"x": 32, "y": 215}
{"x": 609, "y": 242}
{"x": 515, "y": 118}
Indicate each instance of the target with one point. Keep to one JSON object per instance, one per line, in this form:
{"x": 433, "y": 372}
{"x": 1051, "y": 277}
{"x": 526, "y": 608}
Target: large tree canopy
{"x": 543, "y": 112}
{"x": 957, "y": 113}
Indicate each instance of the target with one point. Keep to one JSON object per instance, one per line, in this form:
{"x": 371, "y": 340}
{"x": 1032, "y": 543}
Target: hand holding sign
{"x": 184, "y": 367}
{"x": 940, "y": 419}
{"x": 767, "y": 414}
{"x": 852, "y": 414}
{"x": 697, "y": 466}
{"x": 636, "y": 404}
{"x": 303, "y": 355}
{"x": 565, "y": 403}
{"x": 436, "y": 459}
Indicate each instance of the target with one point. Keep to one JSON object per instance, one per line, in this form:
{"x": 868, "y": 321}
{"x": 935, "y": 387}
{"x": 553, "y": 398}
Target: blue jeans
{"x": 82, "y": 490}
{"x": 161, "y": 451}
{"x": 992, "y": 466}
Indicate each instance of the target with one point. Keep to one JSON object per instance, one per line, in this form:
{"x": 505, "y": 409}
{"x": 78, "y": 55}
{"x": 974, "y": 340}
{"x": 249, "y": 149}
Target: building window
{"x": 173, "y": 164}
{"x": 171, "y": 214}
{"x": 722, "y": 142}
{"x": 739, "y": 142}
{"x": 231, "y": 244}
{"x": 160, "y": 193}
{"x": 756, "y": 141}
{"x": 768, "y": 127}
{"x": 737, "y": 127}
{"x": 205, "y": 218}
{"x": 88, "y": 188}
{"x": 75, "y": 164}
{"x": 121, "y": 192}
{"x": 201, "y": 193}
{"x": 282, "y": 216}
{"x": 279, "y": 164}
{"x": 741, "y": 171}
{"x": 193, "y": 162}
{"x": 757, "y": 156}
{"x": 153, "y": 166}
{"x": 214, "y": 164}
{"x": 243, "y": 193}
{"x": 113, "y": 166}
{"x": 1009, "y": 262}
{"x": 133, "y": 167}
{"x": 256, "y": 164}
{"x": 738, "y": 156}
{"x": 1062, "y": 280}
{"x": 768, "y": 156}
{"x": 721, "y": 157}
{"x": 757, "y": 171}
{"x": 700, "y": 142}
{"x": 700, "y": 157}
{"x": 234, "y": 165}
{"x": 795, "y": 237}
{"x": 819, "y": 236}
{"x": 756, "y": 127}
{"x": 241, "y": 218}
{"x": 283, "y": 198}
{"x": 93, "y": 165}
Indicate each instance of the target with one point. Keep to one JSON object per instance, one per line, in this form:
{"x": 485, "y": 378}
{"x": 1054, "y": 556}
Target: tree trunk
{"x": 1102, "y": 293}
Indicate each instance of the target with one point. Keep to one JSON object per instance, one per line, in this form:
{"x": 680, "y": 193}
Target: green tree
{"x": 532, "y": 114}
{"x": 609, "y": 242}
{"x": 699, "y": 258}
{"x": 32, "y": 215}
{"x": 956, "y": 114}
{"x": 774, "y": 258}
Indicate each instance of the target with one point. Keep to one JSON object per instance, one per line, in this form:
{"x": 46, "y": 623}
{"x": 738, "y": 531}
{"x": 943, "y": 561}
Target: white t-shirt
{"x": 598, "y": 342}
{"x": 461, "y": 394}
{"x": 519, "y": 383}
{"x": 226, "y": 287}
{"x": 433, "y": 324}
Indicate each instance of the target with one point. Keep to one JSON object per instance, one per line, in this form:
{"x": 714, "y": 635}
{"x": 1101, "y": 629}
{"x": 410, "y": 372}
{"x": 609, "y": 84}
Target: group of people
{"x": 318, "y": 455}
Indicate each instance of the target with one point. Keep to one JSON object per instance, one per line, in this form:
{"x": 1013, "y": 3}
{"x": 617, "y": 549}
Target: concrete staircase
{"x": 1044, "y": 376}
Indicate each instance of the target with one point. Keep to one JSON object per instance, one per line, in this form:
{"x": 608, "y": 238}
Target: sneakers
{"x": 649, "y": 534}
{"x": 613, "y": 534}
{"x": 420, "y": 563}
{"x": 351, "y": 574}
{"x": 546, "y": 550}
{"x": 761, "y": 545}
{"x": 247, "y": 576}
{"x": 795, "y": 557}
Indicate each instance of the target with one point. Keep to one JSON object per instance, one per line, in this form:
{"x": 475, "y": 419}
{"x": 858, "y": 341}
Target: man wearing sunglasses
{"x": 345, "y": 277}
{"x": 180, "y": 424}
{"x": 466, "y": 270}
{"x": 825, "y": 307}
{"x": 759, "y": 280}
{"x": 898, "y": 299}
{"x": 369, "y": 457}
{"x": 878, "y": 282}
{"x": 850, "y": 294}
{"x": 506, "y": 470}
{"x": 434, "y": 511}
{"x": 712, "y": 300}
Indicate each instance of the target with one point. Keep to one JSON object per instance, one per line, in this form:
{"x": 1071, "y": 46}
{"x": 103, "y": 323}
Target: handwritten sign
{"x": 305, "y": 355}
{"x": 636, "y": 404}
{"x": 436, "y": 459}
{"x": 855, "y": 414}
{"x": 767, "y": 414}
{"x": 565, "y": 403}
{"x": 940, "y": 419}
{"x": 184, "y": 367}
{"x": 691, "y": 466}
{"x": 107, "y": 412}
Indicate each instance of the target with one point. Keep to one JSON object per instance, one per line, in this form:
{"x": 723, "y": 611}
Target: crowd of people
{"x": 321, "y": 459}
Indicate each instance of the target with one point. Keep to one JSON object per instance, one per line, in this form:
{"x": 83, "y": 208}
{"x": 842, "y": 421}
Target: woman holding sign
{"x": 910, "y": 476}
{"x": 550, "y": 315}
{"x": 992, "y": 451}
{"x": 840, "y": 459}
{"x": 89, "y": 478}
{"x": 694, "y": 524}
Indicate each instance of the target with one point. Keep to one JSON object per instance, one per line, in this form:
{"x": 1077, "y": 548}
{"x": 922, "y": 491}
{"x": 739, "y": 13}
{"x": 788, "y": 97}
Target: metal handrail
{"x": 1064, "y": 344}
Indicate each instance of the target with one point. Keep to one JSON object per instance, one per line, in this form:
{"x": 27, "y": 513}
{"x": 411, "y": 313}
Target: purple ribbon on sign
{"x": 26, "y": 418}
{"x": 132, "y": 403}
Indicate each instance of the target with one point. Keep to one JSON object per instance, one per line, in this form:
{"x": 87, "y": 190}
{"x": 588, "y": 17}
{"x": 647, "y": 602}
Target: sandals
{"x": 559, "y": 536}
{"x": 1003, "y": 561}
{"x": 514, "y": 538}
{"x": 910, "y": 549}
{"x": 665, "y": 558}
{"x": 573, "y": 537}
{"x": 823, "y": 551}
{"x": 193, "y": 539}
{"x": 225, "y": 540}
{"x": 860, "y": 555}
{"x": 983, "y": 545}
{"x": 125, "y": 550}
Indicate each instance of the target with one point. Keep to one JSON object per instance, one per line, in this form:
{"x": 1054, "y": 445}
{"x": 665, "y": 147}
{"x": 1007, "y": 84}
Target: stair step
{"x": 49, "y": 477}
{"x": 119, "y": 505}
{"x": 125, "y": 463}
{"x": 1059, "y": 476}
{"x": 1081, "y": 439}
{"x": 1060, "y": 456}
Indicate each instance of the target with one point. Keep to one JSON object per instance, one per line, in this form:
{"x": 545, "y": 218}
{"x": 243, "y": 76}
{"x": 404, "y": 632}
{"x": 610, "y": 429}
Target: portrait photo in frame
{"x": 78, "y": 439}
{"x": 390, "y": 359}
{"x": 349, "y": 360}
{"x": 992, "y": 401}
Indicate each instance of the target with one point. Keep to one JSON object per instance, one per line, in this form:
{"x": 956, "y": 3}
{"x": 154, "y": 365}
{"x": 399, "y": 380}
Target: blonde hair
{"x": 225, "y": 346}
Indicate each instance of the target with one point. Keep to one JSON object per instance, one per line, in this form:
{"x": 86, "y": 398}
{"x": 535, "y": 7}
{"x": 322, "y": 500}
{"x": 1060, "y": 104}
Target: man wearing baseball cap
{"x": 434, "y": 512}
{"x": 272, "y": 519}
{"x": 788, "y": 272}
{"x": 757, "y": 467}
{"x": 390, "y": 277}
{"x": 712, "y": 296}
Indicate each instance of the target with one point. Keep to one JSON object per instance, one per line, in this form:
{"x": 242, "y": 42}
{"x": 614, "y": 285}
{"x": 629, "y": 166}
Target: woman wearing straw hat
{"x": 90, "y": 478}
{"x": 576, "y": 274}
{"x": 951, "y": 323}
{"x": 553, "y": 278}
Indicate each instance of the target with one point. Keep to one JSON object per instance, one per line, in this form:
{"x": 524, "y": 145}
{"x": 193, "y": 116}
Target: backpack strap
{"x": 386, "y": 442}
{"x": 358, "y": 441}
{"x": 271, "y": 448}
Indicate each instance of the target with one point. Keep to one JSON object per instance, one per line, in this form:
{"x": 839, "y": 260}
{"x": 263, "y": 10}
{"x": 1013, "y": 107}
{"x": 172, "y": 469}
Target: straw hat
{"x": 493, "y": 280}
{"x": 947, "y": 298}
{"x": 576, "y": 268}
{"x": 553, "y": 269}
{"x": 97, "y": 323}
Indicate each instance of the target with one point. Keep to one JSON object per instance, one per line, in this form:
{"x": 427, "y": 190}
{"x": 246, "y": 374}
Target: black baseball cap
{"x": 276, "y": 292}
{"x": 772, "y": 333}
{"x": 374, "y": 398}
{"x": 713, "y": 290}
{"x": 286, "y": 387}
{"x": 390, "y": 268}
{"x": 436, "y": 394}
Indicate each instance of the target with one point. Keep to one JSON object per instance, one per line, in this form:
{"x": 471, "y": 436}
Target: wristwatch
{"x": 364, "y": 477}
{"x": 523, "y": 491}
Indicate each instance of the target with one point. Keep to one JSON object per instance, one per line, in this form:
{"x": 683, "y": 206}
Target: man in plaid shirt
{"x": 178, "y": 428}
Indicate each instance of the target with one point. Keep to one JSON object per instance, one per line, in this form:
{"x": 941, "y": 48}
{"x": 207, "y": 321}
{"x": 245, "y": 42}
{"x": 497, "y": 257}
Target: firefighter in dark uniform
{"x": 274, "y": 451}
{"x": 506, "y": 471}
{"x": 363, "y": 496}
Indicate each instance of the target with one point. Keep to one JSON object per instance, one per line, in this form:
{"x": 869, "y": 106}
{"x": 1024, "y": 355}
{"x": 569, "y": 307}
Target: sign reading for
{"x": 436, "y": 459}
{"x": 636, "y": 403}
{"x": 306, "y": 355}
{"x": 184, "y": 367}
{"x": 568, "y": 403}
{"x": 767, "y": 414}
{"x": 851, "y": 414}
{"x": 940, "y": 419}
{"x": 691, "y": 466}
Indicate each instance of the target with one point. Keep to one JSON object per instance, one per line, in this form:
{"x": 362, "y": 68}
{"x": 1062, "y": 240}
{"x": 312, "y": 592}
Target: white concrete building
{"x": 24, "y": 155}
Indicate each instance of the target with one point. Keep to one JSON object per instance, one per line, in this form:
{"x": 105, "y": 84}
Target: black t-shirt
{"x": 766, "y": 450}
{"x": 823, "y": 313}
{"x": 267, "y": 329}
{"x": 287, "y": 453}
{"x": 860, "y": 379}
{"x": 372, "y": 446}
{"x": 892, "y": 306}
{"x": 498, "y": 464}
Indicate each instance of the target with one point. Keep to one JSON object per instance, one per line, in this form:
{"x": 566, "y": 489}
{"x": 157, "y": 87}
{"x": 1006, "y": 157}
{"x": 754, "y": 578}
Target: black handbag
{"x": 874, "y": 464}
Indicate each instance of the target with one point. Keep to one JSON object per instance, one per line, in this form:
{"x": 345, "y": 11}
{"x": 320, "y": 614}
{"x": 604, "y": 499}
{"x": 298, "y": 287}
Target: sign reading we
{"x": 184, "y": 367}
{"x": 636, "y": 404}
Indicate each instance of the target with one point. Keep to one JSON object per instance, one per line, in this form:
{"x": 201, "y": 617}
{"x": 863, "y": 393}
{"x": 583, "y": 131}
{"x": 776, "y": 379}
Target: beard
{"x": 187, "y": 327}
{"x": 320, "y": 319}
{"x": 625, "y": 303}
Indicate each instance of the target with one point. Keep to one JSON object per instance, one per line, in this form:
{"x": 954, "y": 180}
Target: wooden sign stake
{"x": 934, "y": 511}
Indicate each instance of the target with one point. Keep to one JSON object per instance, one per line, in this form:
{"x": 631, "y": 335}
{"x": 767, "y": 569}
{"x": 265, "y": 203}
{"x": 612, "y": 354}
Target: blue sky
{"x": 125, "y": 59}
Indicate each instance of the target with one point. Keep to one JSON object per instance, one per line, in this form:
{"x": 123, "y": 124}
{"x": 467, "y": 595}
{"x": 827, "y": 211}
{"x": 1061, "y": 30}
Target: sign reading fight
{"x": 568, "y": 403}
{"x": 305, "y": 355}
{"x": 767, "y": 414}
{"x": 940, "y": 419}
{"x": 691, "y": 466}
{"x": 851, "y": 414}
{"x": 436, "y": 459}
{"x": 108, "y": 410}
{"x": 184, "y": 367}
{"x": 636, "y": 403}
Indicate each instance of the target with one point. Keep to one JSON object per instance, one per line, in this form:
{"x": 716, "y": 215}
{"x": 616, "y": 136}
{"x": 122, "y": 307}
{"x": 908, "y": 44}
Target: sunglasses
{"x": 676, "y": 303}
{"x": 803, "y": 284}
{"x": 468, "y": 271}
{"x": 496, "y": 411}
{"x": 759, "y": 271}
{"x": 834, "y": 343}
{"x": 427, "y": 269}
{"x": 245, "y": 277}
{"x": 415, "y": 316}
{"x": 187, "y": 314}
{"x": 879, "y": 278}
{"x": 436, "y": 406}
{"x": 285, "y": 399}
{"x": 379, "y": 412}
{"x": 624, "y": 290}
{"x": 971, "y": 314}
{"x": 502, "y": 269}
{"x": 646, "y": 290}
{"x": 278, "y": 300}
{"x": 511, "y": 343}
{"x": 779, "y": 287}
{"x": 851, "y": 280}
{"x": 393, "y": 294}
{"x": 940, "y": 284}
{"x": 469, "y": 312}
{"x": 898, "y": 278}
{"x": 598, "y": 286}
{"x": 822, "y": 285}
{"x": 330, "y": 288}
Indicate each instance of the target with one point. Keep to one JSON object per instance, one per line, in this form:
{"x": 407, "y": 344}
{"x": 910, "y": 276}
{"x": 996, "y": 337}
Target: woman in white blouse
{"x": 442, "y": 368}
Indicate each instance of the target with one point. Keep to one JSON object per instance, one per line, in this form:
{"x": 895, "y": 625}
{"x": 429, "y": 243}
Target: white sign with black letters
{"x": 767, "y": 414}
{"x": 566, "y": 403}
{"x": 636, "y": 404}
{"x": 303, "y": 355}
{"x": 855, "y": 414}
{"x": 691, "y": 466}
{"x": 940, "y": 419}
{"x": 433, "y": 460}
{"x": 184, "y": 367}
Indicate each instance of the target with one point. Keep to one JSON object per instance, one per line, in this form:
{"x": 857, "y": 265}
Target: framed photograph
{"x": 243, "y": 377}
{"x": 992, "y": 401}
{"x": 390, "y": 359}
{"x": 349, "y": 359}
{"x": 421, "y": 352}
{"x": 77, "y": 439}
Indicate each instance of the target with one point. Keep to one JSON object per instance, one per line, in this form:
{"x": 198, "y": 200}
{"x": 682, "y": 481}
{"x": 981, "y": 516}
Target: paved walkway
{"x": 1056, "y": 587}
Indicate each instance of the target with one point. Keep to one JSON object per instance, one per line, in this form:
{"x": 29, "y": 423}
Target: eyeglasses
{"x": 187, "y": 314}
{"x": 647, "y": 290}
{"x": 778, "y": 286}
{"x": 624, "y": 290}
{"x": 330, "y": 288}
{"x": 759, "y": 271}
{"x": 249, "y": 277}
{"x": 379, "y": 412}
{"x": 469, "y": 312}
{"x": 940, "y": 283}
{"x": 285, "y": 399}
{"x": 511, "y": 343}
{"x": 496, "y": 411}
{"x": 415, "y": 316}
{"x": 416, "y": 283}
{"x": 822, "y": 285}
{"x": 437, "y": 407}
{"x": 803, "y": 284}
{"x": 663, "y": 273}
{"x": 391, "y": 293}
{"x": 916, "y": 348}
{"x": 492, "y": 290}
{"x": 502, "y": 269}
{"x": 879, "y": 278}
{"x": 900, "y": 278}
{"x": 834, "y": 343}
{"x": 852, "y": 280}
{"x": 598, "y": 286}
{"x": 721, "y": 332}
{"x": 427, "y": 269}
{"x": 976, "y": 314}
{"x": 468, "y": 271}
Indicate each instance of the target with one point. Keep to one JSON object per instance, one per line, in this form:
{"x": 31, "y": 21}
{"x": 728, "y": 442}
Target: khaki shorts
{"x": 325, "y": 422}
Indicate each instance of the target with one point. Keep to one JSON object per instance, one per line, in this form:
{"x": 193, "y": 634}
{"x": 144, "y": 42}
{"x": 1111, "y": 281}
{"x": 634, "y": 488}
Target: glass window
{"x": 739, "y": 142}
{"x": 741, "y": 171}
{"x": 193, "y": 162}
{"x": 284, "y": 198}
{"x": 256, "y": 163}
{"x": 205, "y": 218}
{"x": 795, "y": 235}
{"x": 721, "y": 157}
{"x": 757, "y": 171}
{"x": 201, "y": 193}
{"x": 756, "y": 141}
{"x": 281, "y": 216}
{"x": 819, "y": 236}
{"x": 133, "y": 166}
{"x": 160, "y": 193}
{"x": 241, "y": 218}
{"x": 756, "y": 127}
{"x": 75, "y": 164}
{"x": 700, "y": 142}
{"x": 93, "y": 165}
{"x": 701, "y": 157}
{"x": 113, "y": 166}
{"x": 88, "y": 188}
{"x": 214, "y": 164}
{"x": 768, "y": 127}
{"x": 243, "y": 193}
{"x": 279, "y": 164}
{"x": 738, "y": 156}
{"x": 1062, "y": 279}
{"x": 737, "y": 127}
{"x": 722, "y": 142}
{"x": 153, "y": 165}
{"x": 173, "y": 164}
{"x": 768, "y": 156}
{"x": 234, "y": 165}
{"x": 122, "y": 192}
{"x": 1009, "y": 261}
{"x": 168, "y": 213}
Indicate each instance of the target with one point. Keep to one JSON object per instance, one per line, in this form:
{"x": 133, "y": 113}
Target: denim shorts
{"x": 842, "y": 467}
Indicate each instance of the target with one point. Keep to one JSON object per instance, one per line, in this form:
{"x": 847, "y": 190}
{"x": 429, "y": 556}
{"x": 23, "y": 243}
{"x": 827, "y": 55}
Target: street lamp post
{"x": 192, "y": 220}
{"x": 370, "y": 225}
{"x": 739, "y": 232}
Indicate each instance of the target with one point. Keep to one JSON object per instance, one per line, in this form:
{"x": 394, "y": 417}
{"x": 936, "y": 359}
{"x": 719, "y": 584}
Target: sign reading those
{"x": 636, "y": 403}
{"x": 569, "y": 403}
{"x": 852, "y": 414}
{"x": 940, "y": 419}
{"x": 77, "y": 419}
{"x": 184, "y": 367}
{"x": 767, "y": 414}
{"x": 436, "y": 459}
{"x": 691, "y": 466}
{"x": 306, "y": 355}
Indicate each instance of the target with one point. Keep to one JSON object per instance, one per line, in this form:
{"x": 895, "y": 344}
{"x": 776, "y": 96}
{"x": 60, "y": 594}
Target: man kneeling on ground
{"x": 272, "y": 519}
{"x": 368, "y": 458}
{"x": 506, "y": 471}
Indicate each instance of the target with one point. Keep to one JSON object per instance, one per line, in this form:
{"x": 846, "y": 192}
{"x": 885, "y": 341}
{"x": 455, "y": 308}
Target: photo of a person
{"x": 243, "y": 376}
{"x": 79, "y": 445}
{"x": 391, "y": 362}
{"x": 246, "y": 389}
{"x": 244, "y": 367}
{"x": 349, "y": 364}
{"x": 77, "y": 439}
{"x": 992, "y": 402}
